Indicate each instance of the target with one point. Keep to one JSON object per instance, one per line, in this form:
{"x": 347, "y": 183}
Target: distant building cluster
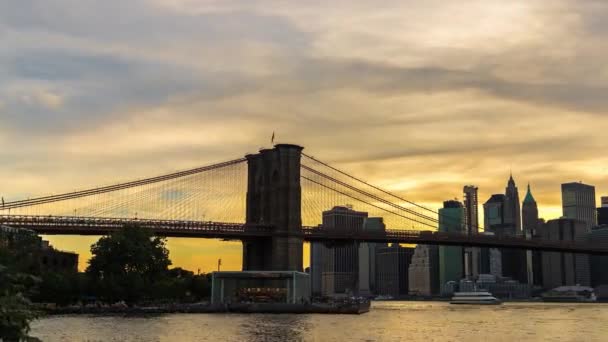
{"x": 373, "y": 269}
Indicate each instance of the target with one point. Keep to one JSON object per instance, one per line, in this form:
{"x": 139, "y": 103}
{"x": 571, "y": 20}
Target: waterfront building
{"x": 578, "y": 202}
{"x": 599, "y": 263}
{"x": 451, "y": 220}
{"x": 423, "y": 273}
{"x": 392, "y": 270}
{"x": 561, "y": 269}
{"x": 471, "y": 222}
{"x": 602, "y": 212}
{"x": 337, "y": 267}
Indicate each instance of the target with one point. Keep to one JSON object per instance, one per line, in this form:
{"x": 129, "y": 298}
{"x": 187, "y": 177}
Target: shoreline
{"x": 274, "y": 308}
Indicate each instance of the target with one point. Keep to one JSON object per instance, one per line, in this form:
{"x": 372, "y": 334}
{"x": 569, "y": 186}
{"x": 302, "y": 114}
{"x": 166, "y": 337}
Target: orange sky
{"x": 420, "y": 98}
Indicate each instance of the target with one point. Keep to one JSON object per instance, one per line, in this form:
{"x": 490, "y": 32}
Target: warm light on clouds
{"x": 418, "y": 97}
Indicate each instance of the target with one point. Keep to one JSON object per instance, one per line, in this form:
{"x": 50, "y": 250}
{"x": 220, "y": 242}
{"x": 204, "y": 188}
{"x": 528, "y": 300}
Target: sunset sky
{"x": 418, "y": 97}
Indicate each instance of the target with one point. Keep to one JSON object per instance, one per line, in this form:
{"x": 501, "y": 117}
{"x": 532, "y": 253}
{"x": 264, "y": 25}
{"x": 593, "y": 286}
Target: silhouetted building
{"x": 424, "y": 271}
{"x": 471, "y": 222}
{"x": 339, "y": 264}
{"x": 564, "y": 268}
{"x": 578, "y": 202}
{"x": 599, "y": 263}
{"x": 493, "y": 211}
{"x": 529, "y": 213}
{"x": 471, "y": 209}
{"x": 530, "y": 222}
{"x": 602, "y": 212}
{"x": 503, "y": 218}
{"x": 451, "y": 220}
{"x": 490, "y": 260}
{"x": 392, "y": 269}
{"x": 367, "y": 257}
{"x": 512, "y": 214}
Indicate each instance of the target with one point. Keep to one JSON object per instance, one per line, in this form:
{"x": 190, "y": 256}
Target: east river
{"x": 387, "y": 321}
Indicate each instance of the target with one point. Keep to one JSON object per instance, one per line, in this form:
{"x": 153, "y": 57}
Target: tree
{"x": 127, "y": 264}
{"x": 16, "y": 285}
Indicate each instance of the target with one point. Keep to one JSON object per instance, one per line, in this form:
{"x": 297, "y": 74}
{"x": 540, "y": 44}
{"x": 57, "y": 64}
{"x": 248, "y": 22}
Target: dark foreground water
{"x": 388, "y": 321}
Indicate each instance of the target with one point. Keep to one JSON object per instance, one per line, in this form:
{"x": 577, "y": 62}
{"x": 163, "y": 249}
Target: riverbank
{"x": 273, "y": 308}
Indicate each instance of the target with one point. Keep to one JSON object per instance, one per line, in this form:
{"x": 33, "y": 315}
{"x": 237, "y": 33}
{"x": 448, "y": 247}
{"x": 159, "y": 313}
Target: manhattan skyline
{"x": 420, "y": 107}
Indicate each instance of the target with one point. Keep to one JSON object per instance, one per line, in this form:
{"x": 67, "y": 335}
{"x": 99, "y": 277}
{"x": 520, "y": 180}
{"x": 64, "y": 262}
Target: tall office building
{"x": 602, "y": 212}
{"x": 578, "y": 202}
{"x": 451, "y": 219}
{"x": 367, "y": 257}
{"x": 490, "y": 260}
{"x": 339, "y": 265}
{"x": 512, "y": 206}
{"x": 529, "y": 213}
{"x": 499, "y": 219}
{"x": 471, "y": 209}
{"x": 494, "y": 213}
{"x": 564, "y": 268}
{"x": 392, "y": 270}
{"x": 530, "y": 222}
{"x": 471, "y": 222}
{"x": 423, "y": 273}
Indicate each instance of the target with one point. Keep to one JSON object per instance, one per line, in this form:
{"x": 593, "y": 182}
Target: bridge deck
{"x": 67, "y": 225}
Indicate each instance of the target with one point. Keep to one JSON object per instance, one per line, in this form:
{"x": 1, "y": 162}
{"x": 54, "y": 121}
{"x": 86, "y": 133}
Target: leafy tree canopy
{"x": 126, "y": 264}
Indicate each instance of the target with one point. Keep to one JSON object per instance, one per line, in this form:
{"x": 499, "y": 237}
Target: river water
{"x": 388, "y": 321}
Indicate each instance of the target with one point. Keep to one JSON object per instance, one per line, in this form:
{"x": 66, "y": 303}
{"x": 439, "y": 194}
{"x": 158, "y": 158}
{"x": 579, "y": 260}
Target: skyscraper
{"x": 578, "y": 202}
{"x": 564, "y": 268}
{"x": 501, "y": 220}
{"x": 530, "y": 224}
{"x": 529, "y": 213}
{"x": 451, "y": 219}
{"x": 367, "y": 257}
{"x": 512, "y": 206}
{"x": 392, "y": 269}
{"x": 339, "y": 265}
{"x": 471, "y": 222}
{"x": 494, "y": 214}
{"x": 599, "y": 263}
{"x": 602, "y": 212}
{"x": 423, "y": 273}
{"x": 471, "y": 209}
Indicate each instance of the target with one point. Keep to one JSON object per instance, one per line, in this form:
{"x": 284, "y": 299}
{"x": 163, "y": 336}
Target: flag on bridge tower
{"x": 272, "y": 139}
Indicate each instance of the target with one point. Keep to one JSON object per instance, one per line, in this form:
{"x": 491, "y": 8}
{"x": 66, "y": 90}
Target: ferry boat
{"x": 475, "y": 298}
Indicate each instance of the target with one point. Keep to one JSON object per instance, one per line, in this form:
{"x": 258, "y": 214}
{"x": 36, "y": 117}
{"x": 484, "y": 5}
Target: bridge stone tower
{"x": 274, "y": 198}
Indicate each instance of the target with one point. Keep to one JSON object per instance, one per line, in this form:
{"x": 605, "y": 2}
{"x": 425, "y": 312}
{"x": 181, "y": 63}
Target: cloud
{"x": 420, "y": 98}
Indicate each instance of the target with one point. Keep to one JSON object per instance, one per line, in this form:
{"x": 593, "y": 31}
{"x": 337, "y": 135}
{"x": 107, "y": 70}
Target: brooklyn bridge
{"x": 272, "y": 201}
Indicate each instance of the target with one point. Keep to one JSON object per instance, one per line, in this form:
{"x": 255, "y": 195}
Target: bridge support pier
{"x": 274, "y": 198}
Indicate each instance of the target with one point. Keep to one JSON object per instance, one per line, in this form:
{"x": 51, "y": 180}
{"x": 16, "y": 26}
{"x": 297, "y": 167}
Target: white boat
{"x": 570, "y": 294}
{"x": 475, "y": 298}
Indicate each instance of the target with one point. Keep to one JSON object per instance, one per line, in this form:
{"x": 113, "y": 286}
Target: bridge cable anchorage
{"x": 116, "y": 187}
{"x": 368, "y": 203}
{"x": 396, "y": 206}
{"x": 378, "y": 188}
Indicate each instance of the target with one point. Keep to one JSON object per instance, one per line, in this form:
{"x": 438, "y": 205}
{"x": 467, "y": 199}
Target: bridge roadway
{"x": 73, "y": 225}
